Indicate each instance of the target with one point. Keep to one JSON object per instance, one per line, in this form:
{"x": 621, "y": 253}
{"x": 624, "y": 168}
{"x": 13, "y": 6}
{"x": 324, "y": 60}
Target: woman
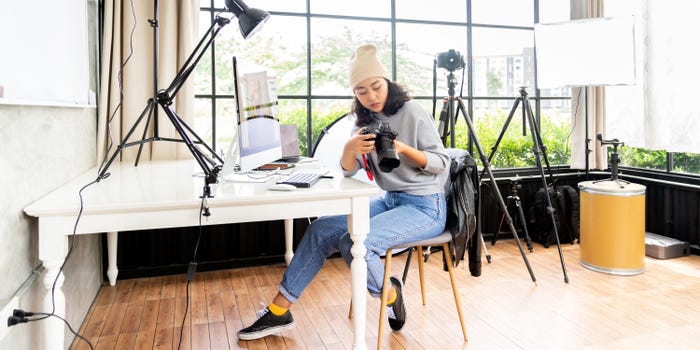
{"x": 413, "y": 207}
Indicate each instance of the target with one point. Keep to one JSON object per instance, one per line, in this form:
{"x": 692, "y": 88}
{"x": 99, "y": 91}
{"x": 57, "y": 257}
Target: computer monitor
{"x": 258, "y": 134}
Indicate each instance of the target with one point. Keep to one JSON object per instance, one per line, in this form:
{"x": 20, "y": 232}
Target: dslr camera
{"x": 384, "y": 145}
{"x": 451, "y": 60}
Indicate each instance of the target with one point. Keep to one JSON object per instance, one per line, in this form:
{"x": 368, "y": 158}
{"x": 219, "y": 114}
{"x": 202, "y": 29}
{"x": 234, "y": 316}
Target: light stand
{"x": 250, "y": 20}
{"x": 614, "y": 161}
{"x": 453, "y": 114}
{"x": 539, "y": 150}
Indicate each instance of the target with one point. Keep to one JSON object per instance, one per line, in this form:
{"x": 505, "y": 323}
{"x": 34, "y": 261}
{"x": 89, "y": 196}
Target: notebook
{"x": 290, "y": 143}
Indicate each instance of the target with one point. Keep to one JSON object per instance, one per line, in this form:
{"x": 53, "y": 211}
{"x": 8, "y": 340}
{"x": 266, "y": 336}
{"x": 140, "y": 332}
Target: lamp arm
{"x": 196, "y": 55}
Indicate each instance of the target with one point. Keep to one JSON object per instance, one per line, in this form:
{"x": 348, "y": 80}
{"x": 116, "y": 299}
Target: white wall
{"x": 41, "y": 148}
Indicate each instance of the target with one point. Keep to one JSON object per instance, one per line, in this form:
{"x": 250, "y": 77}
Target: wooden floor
{"x": 504, "y": 309}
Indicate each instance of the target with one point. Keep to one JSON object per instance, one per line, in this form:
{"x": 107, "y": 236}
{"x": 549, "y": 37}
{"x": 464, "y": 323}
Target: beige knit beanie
{"x": 365, "y": 64}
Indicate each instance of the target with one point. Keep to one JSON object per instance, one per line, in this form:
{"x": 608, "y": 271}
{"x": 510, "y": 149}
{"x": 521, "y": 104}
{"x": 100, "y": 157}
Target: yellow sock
{"x": 276, "y": 309}
{"x": 392, "y": 296}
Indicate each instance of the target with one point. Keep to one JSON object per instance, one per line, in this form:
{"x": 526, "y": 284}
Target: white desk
{"x": 166, "y": 194}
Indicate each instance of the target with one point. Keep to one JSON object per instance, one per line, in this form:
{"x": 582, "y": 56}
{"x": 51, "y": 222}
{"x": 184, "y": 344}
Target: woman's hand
{"x": 357, "y": 144}
{"x": 417, "y": 156}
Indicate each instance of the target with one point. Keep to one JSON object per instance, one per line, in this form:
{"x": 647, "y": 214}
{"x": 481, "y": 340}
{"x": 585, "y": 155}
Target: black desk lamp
{"x": 250, "y": 21}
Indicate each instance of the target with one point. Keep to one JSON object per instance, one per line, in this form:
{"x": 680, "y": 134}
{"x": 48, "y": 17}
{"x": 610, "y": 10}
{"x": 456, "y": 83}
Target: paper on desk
{"x": 246, "y": 178}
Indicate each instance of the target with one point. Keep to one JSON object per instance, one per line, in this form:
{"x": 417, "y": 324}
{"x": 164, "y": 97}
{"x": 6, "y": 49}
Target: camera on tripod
{"x": 384, "y": 145}
{"x": 451, "y": 60}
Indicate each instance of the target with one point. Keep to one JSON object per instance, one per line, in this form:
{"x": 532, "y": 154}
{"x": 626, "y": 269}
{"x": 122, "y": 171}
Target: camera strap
{"x": 367, "y": 169}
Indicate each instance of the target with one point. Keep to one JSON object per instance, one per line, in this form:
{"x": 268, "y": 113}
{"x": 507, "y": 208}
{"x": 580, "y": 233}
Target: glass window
{"x": 279, "y": 6}
{"x": 688, "y": 163}
{"x": 365, "y": 8}
{"x": 436, "y": 10}
{"x": 503, "y": 61}
{"x": 641, "y": 158}
{"x": 295, "y": 112}
{"x": 503, "y": 12}
{"x": 312, "y": 97}
{"x": 267, "y": 5}
{"x": 417, "y": 48}
{"x": 332, "y": 45}
{"x": 554, "y": 11}
{"x": 271, "y": 48}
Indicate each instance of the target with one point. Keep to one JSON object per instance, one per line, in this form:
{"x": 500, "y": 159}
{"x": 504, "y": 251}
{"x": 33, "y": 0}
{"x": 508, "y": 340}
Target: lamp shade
{"x": 250, "y": 20}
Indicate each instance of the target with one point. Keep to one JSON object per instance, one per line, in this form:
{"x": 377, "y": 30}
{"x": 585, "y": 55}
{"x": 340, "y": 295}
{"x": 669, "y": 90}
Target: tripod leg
{"x": 528, "y": 241}
{"x": 495, "y": 235}
{"x": 535, "y": 130}
{"x": 486, "y": 251}
{"x": 494, "y": 185}
{"x": 537, "y": 150}
{"x": 151, "y": 113}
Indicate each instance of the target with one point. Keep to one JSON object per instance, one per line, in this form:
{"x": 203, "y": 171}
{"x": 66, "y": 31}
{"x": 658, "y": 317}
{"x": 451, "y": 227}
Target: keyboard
{"x": 302, "y": 178}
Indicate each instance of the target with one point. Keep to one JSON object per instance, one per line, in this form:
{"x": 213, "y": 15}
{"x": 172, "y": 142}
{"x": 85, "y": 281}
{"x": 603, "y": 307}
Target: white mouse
{"x": 283, "y": 187}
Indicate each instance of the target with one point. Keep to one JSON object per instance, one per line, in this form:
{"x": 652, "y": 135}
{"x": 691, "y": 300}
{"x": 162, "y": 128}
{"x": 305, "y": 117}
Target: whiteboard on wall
{"x": 45, "y": 51}
{"x": 585, "y": 52}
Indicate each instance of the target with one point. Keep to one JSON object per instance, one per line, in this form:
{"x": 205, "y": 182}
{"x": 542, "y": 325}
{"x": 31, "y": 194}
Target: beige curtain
{"x": 595, "y": 95}
{"x": 126, "y": 76}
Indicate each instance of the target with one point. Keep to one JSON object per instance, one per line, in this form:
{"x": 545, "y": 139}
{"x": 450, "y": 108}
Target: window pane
{"x": 641, "y": 158}
{"x": 436, "y": 10}
{"x": 503, "y": 61}
{"x": 686, "y": 163}
{"x": 202, "y": 74}
{"x": 226, "y": 124}
{"x": 272, "y": 47}
{"x": 203, "y": 119}
{"x": 555, "y": 129}
{"x": 295, "y": 112}
{"x": 332, "y": 44}
{"x": 279, "y": 6}
{"x": 365, "y": 8}
{"x": 503, "y": 12}
{"x": 554, "y": 11}
{"x": 417, "y": 48}
{"x": 514, "y": 149}
{"x": 325, "y": 112}
{"x": 267, "y": 5}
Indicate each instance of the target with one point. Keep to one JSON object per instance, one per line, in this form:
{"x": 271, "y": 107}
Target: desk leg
{"x": 358, "y": 225}
{"x": 288, "y": 240}
{"x": 52, "y": 252}
{"x": 112, "y": 270}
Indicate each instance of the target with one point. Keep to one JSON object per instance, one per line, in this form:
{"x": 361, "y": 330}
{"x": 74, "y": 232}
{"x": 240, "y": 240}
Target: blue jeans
{"x": 396, "y": 218}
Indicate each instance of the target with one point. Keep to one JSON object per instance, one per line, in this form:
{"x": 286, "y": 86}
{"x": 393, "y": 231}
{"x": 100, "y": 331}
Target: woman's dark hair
{"x": 395, "y": 98}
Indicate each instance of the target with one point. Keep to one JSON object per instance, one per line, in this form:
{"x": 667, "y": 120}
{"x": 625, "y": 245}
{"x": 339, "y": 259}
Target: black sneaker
{"x": 267, "y": 323}
{"x": 397, "y": 310}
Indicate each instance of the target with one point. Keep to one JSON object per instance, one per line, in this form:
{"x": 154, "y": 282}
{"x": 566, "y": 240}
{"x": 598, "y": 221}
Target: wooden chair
{"x": 442, "y": 240}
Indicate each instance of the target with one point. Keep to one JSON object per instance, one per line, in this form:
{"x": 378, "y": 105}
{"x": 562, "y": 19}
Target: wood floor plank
{"x": 503, "y": 308}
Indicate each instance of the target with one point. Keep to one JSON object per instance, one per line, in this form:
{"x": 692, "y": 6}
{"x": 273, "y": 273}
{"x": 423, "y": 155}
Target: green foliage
{"x": 515, "y": 150}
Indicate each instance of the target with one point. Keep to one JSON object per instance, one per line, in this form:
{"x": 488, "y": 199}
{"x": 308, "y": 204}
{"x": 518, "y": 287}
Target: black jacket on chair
{"x": 461, "y": 193}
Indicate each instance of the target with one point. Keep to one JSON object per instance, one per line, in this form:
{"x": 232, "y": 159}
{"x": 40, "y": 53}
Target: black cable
{"x": 203, "y": 211}
{"x": 21, "y": 314}
{"x": 110, "y": 143}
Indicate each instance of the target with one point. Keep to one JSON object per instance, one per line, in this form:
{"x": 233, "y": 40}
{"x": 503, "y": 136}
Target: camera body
{"x": 384, "y": 145}
{"x": 451, "y": 60}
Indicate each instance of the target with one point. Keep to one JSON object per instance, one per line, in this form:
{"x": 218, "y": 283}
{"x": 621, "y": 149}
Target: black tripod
{"x": 515, "y": 207}
{"x": 453, "y": 114}
{"x": 539, "y": 151}
{"x": 164, "y": 99}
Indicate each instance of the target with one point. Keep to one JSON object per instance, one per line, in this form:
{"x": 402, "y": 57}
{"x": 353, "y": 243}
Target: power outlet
{"x": 6, "y": 313}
